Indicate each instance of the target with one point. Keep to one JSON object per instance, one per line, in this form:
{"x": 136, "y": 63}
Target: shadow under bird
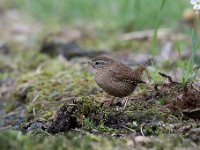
{"x": 116, "y": 78}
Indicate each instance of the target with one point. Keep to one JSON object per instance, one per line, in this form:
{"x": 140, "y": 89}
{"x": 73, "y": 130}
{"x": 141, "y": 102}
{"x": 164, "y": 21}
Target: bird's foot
{"x": 126, "y": 102}
{"x": 113, "y": 102}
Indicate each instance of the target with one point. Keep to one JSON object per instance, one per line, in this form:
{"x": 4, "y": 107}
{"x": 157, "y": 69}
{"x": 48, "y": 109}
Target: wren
{"x": 116, "y": 78}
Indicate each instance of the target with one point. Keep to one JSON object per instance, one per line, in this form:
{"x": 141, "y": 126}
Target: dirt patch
{"x": 184, "y": 97}
{"x": 108, "y": 118}
{"x": 64, "y": 120}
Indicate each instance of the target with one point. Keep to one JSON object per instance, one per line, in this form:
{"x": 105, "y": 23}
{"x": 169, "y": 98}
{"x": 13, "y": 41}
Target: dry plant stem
{"x": 195, "y": 88}
{"x": 126, "y": 101}
{"x": 141, "y": 130}
{"x": 129, "y": 129}
{"x": 168, "y": 77}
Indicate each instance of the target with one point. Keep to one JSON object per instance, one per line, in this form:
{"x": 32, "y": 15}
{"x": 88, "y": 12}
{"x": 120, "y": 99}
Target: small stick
{"x": 141, "y": 130}
{"x": 195, "y": 88}
{"x": 129, "y": 129}
{"x": 168, "y": 77}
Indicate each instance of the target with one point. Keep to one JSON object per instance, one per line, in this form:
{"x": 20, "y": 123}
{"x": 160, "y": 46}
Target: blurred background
{"x": 97, "y": 24}
{"x": 134, "y": 14}
{"x": 75, "y": 28}
{"x": 108, "y": 17}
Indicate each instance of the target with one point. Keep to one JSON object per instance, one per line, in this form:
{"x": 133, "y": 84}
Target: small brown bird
{"x": 116, "y": 78}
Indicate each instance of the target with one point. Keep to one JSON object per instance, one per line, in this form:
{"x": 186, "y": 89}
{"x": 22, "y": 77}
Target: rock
{"x": 68, "y": 50}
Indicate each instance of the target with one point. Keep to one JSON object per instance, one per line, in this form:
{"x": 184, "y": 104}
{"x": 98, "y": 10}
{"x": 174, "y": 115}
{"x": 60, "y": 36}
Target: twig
{"x": 195, "y": 88}
{"x": 129, "y": 129}
{"x": 47, "y": 133}
{"x": 144, "y": 35}
{"x": 35, "y": 98}
{"x": 34, "y": 113}
{"x": 5, "y": 128}
{"x": 141, "y": 130}
{"x": 168, "y": 77}
{"x": 81, "y": 131}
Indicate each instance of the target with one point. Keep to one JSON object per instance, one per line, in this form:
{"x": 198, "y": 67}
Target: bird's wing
{"x": 124, "y": 74}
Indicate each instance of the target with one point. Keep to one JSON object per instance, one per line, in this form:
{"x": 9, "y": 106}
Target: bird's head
{"x": 100, "y": 62}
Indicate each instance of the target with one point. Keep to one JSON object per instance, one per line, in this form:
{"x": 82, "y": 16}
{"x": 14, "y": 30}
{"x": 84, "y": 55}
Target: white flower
{"x": 196, "y": 4}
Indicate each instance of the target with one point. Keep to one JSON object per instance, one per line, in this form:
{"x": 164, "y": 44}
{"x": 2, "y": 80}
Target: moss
{"x": 16, "y": 140}
{"x": 6, "y": 67}
{"x": 53, "y": 80}
{"x": 162, "y": 101}
{"x": 9, "y": 107}
{"x": 21, "y": 62}
{"x": 87, "y": 105}
{"x": 171, "y": 142}
{"x": 110, "y": 120}
{"x": 30, "y": 60}
{"x": 43, "y": 84}
{"x": 48, "y": 114}
{"x": 72, "y": 140}
{"x": 89, "y": 125}
{"x": 56, "y": 79}
{"x": 102, "y": 128}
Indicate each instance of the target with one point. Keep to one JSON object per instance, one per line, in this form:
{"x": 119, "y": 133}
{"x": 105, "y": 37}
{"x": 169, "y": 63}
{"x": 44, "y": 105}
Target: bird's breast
{"x": 112, "y": 87}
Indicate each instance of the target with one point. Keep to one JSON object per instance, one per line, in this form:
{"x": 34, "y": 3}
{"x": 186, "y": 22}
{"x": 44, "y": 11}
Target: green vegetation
{"x": 134, "y": 14}
{"x": 72, "y": 140}
{"x": 187, "y": 66}
{"x": 18, "y": 141}
{"x": 158, "y": 23}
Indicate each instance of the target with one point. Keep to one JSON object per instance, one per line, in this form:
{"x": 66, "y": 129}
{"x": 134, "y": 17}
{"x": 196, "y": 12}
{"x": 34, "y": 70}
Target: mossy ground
{"x": 49, "y": 84}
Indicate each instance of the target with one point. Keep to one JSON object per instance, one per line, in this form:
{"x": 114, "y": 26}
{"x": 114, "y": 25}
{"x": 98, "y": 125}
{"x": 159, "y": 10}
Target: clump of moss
{"x": 171, "y": 142}
{"x": 29, "y": 60}
{"x": 108, "y": 119}
{"x": 7, "y": 67}
{"x": 41, "y": 140}
{"x": 20, "y": 62}
{"x": 89, "y": 125}
{"x": 85, "y": 112}
{"x": 87, "y": 105}
{"x": 53, "y": 81}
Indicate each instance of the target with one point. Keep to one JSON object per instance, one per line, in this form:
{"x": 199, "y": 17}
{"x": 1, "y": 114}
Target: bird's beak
{"x": 90, "y": 63}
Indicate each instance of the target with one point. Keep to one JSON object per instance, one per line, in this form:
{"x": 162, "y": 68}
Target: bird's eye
{"x": 96, "y": 63}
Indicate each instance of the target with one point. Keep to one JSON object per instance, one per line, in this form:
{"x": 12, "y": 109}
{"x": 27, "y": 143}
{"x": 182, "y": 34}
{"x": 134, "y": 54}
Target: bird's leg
{"x": 109, "y": 102}
{"x": 148, "y": 74}
{"x": 126, "y": 101}
{"x": 112, "y": 100}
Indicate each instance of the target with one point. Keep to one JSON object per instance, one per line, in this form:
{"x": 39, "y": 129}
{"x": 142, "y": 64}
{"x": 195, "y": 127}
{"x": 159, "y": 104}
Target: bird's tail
{"x": 140, "y": 69}
{"x": 148, "y": 62}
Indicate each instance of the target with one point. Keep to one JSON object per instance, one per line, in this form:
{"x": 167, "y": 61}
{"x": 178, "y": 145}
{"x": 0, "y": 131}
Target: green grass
{"x": 158, "y": 23}
{"x": 134, "y": 14}
{"x": 189, "y": 74}
{"x": 187, "y": 67}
